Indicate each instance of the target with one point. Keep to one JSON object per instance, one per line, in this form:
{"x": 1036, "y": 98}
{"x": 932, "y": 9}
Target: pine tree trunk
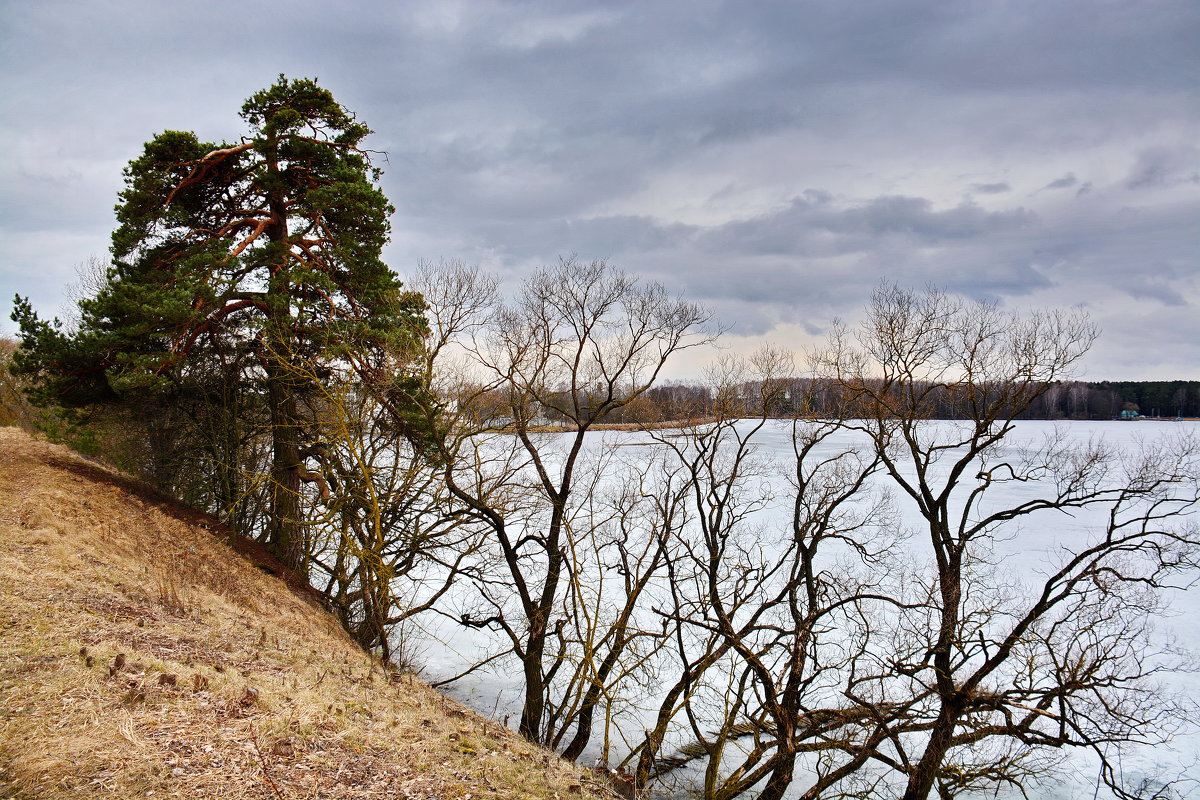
{"x": 286, "y": 537}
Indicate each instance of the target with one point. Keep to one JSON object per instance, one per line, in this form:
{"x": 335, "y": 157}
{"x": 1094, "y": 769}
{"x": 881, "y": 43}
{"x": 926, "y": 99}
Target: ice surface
{"x": 1024, "y": 551}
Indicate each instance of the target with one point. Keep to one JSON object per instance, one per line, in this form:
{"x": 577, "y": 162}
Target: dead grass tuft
{"x": 141, "y": 656}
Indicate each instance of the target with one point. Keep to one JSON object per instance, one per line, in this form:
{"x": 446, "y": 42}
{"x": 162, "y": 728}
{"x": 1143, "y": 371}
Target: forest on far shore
{"x": 1061, "y": 400}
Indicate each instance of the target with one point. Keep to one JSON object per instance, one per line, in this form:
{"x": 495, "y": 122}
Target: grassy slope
{"x": 233, "y": 685}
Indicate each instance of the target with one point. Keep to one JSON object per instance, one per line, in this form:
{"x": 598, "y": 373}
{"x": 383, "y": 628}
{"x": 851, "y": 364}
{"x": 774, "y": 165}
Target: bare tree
{"x": 838, "y": 658}
{"x": 386, "y": 544}
{"x": 581, "y": 342}
{"x": 830, "y": 657}
{"x": 991, "y": 671}
{"x": 765, "y": 618}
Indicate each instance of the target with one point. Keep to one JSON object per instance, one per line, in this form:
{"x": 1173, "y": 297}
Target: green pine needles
{"x": 242, "y": 272}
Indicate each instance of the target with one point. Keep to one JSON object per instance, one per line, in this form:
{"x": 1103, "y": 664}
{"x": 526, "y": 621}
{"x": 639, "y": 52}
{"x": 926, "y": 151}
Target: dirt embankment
{"x": 142, "y": 656}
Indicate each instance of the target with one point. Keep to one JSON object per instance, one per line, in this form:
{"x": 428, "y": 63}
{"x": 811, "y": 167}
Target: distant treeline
{"x": 1154, "y": 398}
{"x": 1061, "y": 400}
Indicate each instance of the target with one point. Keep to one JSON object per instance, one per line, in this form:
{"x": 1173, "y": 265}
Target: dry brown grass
{"x": 140, "y": 656}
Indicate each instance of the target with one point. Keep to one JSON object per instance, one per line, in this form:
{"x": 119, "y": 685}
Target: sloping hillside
{"x": 141, "y": 656}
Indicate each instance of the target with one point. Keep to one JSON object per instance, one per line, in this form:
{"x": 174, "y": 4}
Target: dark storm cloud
{"x": 775, "y": 159}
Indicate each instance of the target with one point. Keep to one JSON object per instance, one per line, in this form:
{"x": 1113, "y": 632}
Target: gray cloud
{"x": 991, "y": 188}
{"x": 915, "y": 216}
{"x": 1155, "y": 290}
{"x": 812, "y": 226}
{"x": 1065, "y": 182}
{"x": 679, "y": 139}
{"x": 1164, "y": 166}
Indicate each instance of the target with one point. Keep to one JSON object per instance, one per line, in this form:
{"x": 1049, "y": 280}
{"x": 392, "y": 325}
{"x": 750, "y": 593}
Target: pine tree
{"x": 244, "y": 257}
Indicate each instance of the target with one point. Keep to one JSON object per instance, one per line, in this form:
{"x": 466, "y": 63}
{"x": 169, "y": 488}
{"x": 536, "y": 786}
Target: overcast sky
{"x": 773, "y": 160}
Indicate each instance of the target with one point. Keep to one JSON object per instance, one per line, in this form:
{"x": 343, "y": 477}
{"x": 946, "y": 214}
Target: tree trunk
{"x": 920, "y": 782}
{"x": 286, "y": 537}
{"x": 781, "y": 775}
{"x": 534, "y": 705}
